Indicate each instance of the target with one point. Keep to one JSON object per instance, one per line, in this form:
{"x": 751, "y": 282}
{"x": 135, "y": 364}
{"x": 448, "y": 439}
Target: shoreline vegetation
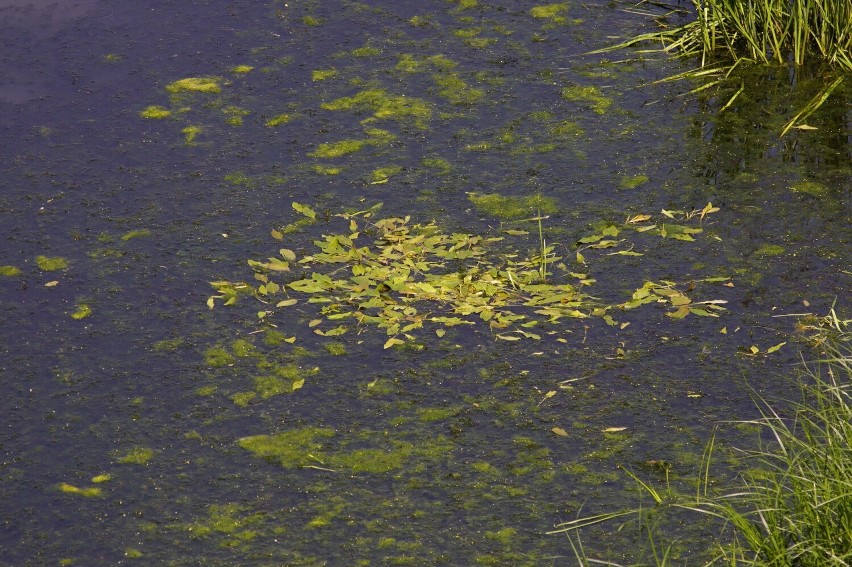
{"x": 727, "y": 33}
{"x": 793, "y": 504}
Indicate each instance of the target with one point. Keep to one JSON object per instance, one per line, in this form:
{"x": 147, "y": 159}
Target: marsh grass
{"x": 793, "y": 506}
{"x": 726, "y": 33}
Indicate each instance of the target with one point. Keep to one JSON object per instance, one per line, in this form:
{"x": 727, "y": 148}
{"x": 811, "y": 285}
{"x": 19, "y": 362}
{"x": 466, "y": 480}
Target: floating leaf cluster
{"x": 399, "y": 276}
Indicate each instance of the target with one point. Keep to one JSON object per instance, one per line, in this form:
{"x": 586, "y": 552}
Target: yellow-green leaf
{"x": 305, "y": 210}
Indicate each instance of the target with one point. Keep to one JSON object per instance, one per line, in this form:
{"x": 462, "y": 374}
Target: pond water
{"x": 142, "y": 426}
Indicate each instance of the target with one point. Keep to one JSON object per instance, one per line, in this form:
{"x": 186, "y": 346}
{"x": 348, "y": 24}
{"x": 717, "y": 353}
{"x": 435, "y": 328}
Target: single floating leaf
{"x": 286, "y": 303}
{"x": 613, "y": 429}
{"x": 305, "y": 210}
{"x": 559, "y": 431}
{"x": 393, "y": 341}
{"x": 775, "y": 348}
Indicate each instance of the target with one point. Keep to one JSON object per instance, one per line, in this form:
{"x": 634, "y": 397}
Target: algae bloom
{"x": 195, "y": 84}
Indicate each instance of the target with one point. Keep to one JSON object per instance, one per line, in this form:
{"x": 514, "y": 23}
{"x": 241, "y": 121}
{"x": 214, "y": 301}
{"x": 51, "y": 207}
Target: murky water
{"x": 132, "y": 410}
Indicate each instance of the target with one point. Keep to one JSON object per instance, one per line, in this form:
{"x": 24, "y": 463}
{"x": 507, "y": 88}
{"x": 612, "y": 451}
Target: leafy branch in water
{"x": 399, "y": 276}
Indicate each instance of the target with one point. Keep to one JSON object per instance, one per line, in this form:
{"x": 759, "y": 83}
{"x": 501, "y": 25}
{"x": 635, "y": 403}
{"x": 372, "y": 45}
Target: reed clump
{"x": 725, "y": 33}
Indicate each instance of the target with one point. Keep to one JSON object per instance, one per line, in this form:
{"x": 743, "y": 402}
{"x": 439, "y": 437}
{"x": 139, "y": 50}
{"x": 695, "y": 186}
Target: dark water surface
{"x": 438, "y": 454}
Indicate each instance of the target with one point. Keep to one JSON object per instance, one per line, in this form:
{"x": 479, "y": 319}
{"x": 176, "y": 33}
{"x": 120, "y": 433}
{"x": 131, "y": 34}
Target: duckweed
{"x": 195, "y": 84}
{"x": 511, "y": 207}
{"x": 48, "y": 264}
{"x": 155, "y": 112}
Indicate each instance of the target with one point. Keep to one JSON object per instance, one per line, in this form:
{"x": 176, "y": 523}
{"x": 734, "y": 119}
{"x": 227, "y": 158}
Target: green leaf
{"x": 286, "y": 303}
{"x": 305, "y": 210}
{"x": 775, "y": 348}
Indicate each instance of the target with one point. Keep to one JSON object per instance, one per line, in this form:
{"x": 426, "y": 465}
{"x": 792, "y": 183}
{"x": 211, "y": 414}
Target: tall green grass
{"x": 793, "y": 506}
{"x": 726, "y": 33}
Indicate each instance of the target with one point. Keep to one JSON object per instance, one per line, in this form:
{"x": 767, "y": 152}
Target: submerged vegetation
{"x": 727, "y": 33}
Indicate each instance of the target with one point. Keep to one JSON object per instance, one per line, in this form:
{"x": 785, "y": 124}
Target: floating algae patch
{"x": 812, "y": 188}
{"x": 234, "y": 115}
{"x": 155, "y": 112}
{"x": 218, "y": 357}
{"x": 51, "y": 264}
{"x": 590, "y": 95}
{"x": 10, "y": 271}
{"x": 335, "y": 348}
{"x": 242, "y": 69}
{"x": 139, "y": 233}
{"x": 455, "y": 90}
{"x": 440, "y": 165}
{"x": 231, "y": 526}
{"x": 382, "y": 174}
{"x": 89, "y": 492}
{"x": 311, "y": 447}
{"x": 338, "y": 149}
{"x": 136, "y": 456}
{"x": 553, "y": 12}
{"x": 633, "y": 181}
{"x": 190, "y": 133}
{"x": 765, "y": 250}
{"x": 290, "y": 449}
{"x": 385, "y": 106}
{"x": 373, "y": 461}
{"x": 195, "y": 84}
{"x": 327, "y": 169}
{"x": 279, "y": 119}
{"x": 323, "y": 74}
{"x": 511, "y": 207}
{"x": 83, "y": 310}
